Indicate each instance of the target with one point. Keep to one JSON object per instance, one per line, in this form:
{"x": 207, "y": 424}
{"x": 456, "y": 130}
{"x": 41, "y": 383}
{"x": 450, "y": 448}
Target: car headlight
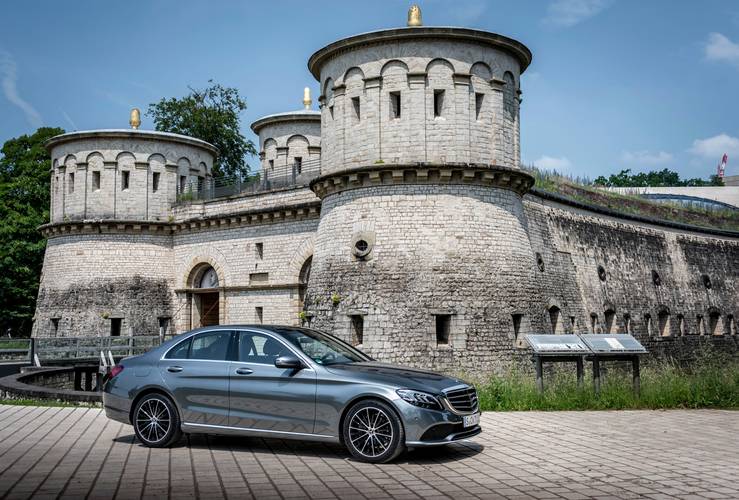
{"x": 421, "y": 399}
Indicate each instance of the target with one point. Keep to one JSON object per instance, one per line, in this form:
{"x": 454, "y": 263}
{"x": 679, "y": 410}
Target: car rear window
{"x": 179, "y": 351}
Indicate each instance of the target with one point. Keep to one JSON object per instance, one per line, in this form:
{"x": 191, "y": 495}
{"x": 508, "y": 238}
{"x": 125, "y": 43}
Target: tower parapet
{"x": 420, "y": 94}
{"x": 123, "y": 174}
{"x": 290, "y": 144}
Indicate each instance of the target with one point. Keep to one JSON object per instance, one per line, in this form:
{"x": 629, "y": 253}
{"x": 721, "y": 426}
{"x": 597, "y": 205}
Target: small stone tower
{"x": 290, "y": 144}
{"x": 422, "y": 239}
{"x": 109, "y": 256}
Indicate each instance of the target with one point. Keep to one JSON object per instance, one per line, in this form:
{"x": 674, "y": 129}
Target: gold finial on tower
{"x": 307, "y": 102}
{"x": 414, "y": 16}
{"x": 135, "y": 120}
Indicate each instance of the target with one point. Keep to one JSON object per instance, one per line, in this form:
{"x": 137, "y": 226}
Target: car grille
{"x": 463, "y": 400}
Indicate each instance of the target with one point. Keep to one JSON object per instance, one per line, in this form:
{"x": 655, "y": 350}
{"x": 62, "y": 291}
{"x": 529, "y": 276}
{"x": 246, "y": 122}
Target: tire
{"x": 373, "y": 432}
{"x": 156, "y": 421}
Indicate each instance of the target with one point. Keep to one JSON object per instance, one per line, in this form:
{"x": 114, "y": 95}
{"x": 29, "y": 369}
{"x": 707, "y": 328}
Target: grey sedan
{"x": 286, "y": 382}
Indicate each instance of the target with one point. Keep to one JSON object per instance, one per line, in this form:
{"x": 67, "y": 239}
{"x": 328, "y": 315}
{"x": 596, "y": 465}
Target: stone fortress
{"x": 397, "y": 217}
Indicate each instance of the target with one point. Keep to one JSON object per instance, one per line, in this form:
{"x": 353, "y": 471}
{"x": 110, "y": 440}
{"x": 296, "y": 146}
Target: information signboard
{"x": 561, "y": 345}
{"x": 613, "y": 344}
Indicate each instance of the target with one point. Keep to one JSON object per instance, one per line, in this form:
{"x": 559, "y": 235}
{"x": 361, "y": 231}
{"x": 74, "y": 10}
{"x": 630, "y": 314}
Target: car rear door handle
{"x": 174, "y": 369}
{"x": 244, "y": 371}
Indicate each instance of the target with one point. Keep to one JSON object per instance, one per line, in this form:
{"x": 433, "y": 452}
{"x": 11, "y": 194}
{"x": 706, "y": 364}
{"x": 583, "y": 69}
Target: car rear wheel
{"x": 373, "y": 432}
{"x": 156, "y": 421}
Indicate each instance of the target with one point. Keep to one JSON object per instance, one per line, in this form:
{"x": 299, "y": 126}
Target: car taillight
{"x": 115, "y": 371}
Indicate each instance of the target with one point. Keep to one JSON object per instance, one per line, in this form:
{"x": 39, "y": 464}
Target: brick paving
{"x": 79, "y": 453}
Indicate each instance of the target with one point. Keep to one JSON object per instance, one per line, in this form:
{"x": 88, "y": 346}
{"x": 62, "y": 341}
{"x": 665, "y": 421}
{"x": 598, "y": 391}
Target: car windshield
{"x": 322, "y": 348}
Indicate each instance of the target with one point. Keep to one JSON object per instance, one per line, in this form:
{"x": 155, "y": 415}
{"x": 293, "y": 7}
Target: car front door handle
{"x": 244, "y": 371}
{"x": 174, "y": 369}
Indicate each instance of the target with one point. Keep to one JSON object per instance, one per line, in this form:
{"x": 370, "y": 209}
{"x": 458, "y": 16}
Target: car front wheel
{"x": 156, "y": 421}
{"x": 373, "y": 432}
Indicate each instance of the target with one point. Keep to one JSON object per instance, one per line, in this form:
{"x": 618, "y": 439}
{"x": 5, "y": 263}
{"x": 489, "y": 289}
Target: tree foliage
{"x": 24, "y": 205}
{"x": 212, "y": 115}
{"x": 662, "y": 178}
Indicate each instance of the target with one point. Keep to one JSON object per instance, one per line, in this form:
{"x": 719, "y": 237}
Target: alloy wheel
{"x": 370, "y": 432}
{"x": 153, "y": 420}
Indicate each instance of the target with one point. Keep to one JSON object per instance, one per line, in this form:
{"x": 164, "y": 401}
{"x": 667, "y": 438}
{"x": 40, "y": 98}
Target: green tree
{"x": 211, "y": 114}
{"x": 24, "y": 206}
{"x": 654, "y": 178}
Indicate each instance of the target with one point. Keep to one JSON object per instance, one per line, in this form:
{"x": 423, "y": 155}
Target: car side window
{"x": 179, "y": 351}
{"x": 210, "y": 346}
{"x": 259, "y": 348}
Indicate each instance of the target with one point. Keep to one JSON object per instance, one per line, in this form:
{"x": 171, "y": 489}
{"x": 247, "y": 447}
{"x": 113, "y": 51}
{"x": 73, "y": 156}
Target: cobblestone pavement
{"x": 78, "y": 453}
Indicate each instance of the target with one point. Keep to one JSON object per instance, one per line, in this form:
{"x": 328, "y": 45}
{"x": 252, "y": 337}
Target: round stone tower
{"x": 290, "y": 144}
{"x": 108, "y": 263}
{"x": 422, "y": 249}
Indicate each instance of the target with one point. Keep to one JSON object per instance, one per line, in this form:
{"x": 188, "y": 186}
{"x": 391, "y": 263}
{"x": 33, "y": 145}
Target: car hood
{"x": 399, "y": 377}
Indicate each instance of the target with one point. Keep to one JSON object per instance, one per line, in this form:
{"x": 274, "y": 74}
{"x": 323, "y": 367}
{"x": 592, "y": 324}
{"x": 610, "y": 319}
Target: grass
{"x": 710, "y": 384}
{"x": 579, "y": 190}
{"x": 15, "y": 344}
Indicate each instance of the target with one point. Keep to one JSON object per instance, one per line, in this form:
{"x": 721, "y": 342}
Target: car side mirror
{"x": 288, "y": 361}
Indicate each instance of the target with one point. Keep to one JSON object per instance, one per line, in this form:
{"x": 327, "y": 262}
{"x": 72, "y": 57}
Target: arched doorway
{"x": 205, "y": 297}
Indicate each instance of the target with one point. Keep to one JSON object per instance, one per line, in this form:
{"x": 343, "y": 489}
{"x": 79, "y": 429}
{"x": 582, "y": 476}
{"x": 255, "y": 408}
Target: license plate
{"x": 471, "y": 420}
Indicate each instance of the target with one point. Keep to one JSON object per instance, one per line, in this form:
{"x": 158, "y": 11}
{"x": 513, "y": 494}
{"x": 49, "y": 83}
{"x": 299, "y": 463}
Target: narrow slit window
{"x": 183, "y": 183}
{"x": 259, "y": 313}
{"x": 71, "y": 183}
{"x": 298, "y": 165}
{"x": 394, "y": 105}
{"x": 95, "y": 180}
{"x": 517, "y": 337}
{"x": 259, "y": 251}
{"x": 356, "y": 108}
{"x": 331, "y": 111}
{"x": 54, "y": 326}
{"x": 155, "y": 182}
{"x": 125, "y": 179}
{"x": 479, "y": 100}
{"x": 271, "y": 164}
{"x": 357, "y": 329}
{"x": 443, "y": 324}
{"x": 438, "y": 103}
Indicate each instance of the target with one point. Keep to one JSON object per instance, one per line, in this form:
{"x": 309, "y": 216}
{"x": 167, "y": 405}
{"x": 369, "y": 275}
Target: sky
{"x": 614, "y": 84}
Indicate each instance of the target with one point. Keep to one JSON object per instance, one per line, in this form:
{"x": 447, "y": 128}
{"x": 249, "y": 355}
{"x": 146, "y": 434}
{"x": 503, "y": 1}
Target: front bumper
{"x": 425, "y": 427}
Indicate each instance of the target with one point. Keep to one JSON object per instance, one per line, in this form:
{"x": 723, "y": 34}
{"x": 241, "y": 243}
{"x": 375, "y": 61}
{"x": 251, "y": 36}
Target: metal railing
{"x": 299, "y": 173}
{"x": 73, "y": 348}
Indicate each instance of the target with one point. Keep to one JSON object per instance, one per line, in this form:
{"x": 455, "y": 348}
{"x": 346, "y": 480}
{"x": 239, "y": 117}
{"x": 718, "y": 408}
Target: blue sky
{"x": 641, "y": 84}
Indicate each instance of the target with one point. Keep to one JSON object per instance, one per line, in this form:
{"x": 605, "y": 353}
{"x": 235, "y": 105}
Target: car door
{"x": 264, "y": 397}
{"x": 196, "y": 373}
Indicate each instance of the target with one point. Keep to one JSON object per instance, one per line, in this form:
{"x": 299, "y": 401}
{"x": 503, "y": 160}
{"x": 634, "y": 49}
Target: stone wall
{"x": 285, "y": 137}
{"x": 460, "y": 253}
{"x": 89, "y": 280}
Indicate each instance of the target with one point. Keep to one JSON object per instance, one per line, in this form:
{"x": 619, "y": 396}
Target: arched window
{"x": 554, "y": 318}
{"x": 208, "y": 279}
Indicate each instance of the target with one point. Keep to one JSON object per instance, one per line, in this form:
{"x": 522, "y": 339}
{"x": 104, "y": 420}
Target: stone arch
{"x": 125, "y": 155}
{"x": 714, "y": 321}
{"x": 352, "y": 74}
{"x": 609, "y": 317}
{"x": 94, "y": 156}
{"x": 481, "y": 70}
{"x": 297, "y": 147}
{"x": 393, "y": 66}
{"x": 70, "y": 161}
{"x": 437, "y": 63}
{"x": 156, "y": 162}
{"x": 303, "y": 253}
{"x": 328, "y": 88}
{"x": 198, "y": 265}
{"x": 509, "y": 95}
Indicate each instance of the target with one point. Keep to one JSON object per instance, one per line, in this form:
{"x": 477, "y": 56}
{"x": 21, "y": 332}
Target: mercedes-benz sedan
{"x": 286, "y": 382}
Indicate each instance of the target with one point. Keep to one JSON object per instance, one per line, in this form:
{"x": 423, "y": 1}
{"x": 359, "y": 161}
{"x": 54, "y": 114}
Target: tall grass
{"x": 710, "y": 384}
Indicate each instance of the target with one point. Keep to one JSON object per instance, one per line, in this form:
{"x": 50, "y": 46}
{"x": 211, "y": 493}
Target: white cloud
{"x": 550, "y": 163}
{"x": 9, "y": 76}
{"x": 719, "y": 48}
{"x": 646, "y": 158}
{"x": 567, "y": 13}
{"x": 714, "y": 147}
